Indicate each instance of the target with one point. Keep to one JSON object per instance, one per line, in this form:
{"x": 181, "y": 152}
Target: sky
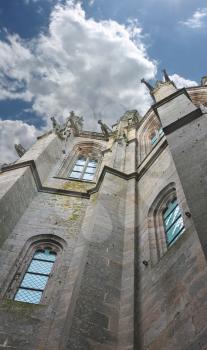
{"x": 89, "y": 56}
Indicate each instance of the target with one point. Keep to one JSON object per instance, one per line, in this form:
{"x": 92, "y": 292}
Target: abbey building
{"x": 103, "y": 235}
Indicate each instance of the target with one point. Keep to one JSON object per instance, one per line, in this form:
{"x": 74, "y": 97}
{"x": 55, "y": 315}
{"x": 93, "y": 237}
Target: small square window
{"x": 80, "y": 161}
{"x": 34, "y": 281}
{"x": 78, "y": 168}
{"x": 88, "y": 177}
{"x": 75, "y": 175}
{"x": 28, "y": 296}
{"x": 90, "y": 170}
{"x": 92, "y": 163}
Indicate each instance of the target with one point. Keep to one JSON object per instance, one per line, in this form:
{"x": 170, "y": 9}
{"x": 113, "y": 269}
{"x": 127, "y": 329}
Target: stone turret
{"x": 161, "y": 89}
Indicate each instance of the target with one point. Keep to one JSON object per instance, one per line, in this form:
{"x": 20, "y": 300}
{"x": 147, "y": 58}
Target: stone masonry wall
{"x": 26, "y": 326}
{"x": 96, "y": 314}
{"x": 172, "y": 292}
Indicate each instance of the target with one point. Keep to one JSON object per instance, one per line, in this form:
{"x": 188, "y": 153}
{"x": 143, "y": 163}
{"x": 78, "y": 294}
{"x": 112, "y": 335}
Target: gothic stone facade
{"x": 118, "y": 281}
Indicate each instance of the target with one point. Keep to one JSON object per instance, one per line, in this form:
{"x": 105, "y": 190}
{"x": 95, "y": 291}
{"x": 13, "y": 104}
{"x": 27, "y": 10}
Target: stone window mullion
{"x": 85, "y": 167}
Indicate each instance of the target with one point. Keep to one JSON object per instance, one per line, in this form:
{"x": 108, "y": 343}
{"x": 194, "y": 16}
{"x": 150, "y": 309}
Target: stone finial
{"x": 150, "y": 87}
{"x": 73, "y": 123}
{"x": 20, "y": 149}
{"x": 204, "y": 81}
{"x": 56, "y": 126}
{"x": 166, "y": 76}
{"x": 105, "y": 129}
{"x": 76, "y": 123}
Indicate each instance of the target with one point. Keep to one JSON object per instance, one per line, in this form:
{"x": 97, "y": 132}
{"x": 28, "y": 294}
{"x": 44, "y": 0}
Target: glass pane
{"x": 45, "y": 255}
{"x": 172, "y": 217}
{"x": 170, "y": 208}
{"x": 154, "y": 139}
{"x": 80, "y": 161}
{"x": 38, "y": 266}
{"x": 92, "y": 163}
{"x": 78, "y": 168}
{"x": 34, "y": 281}
{"x": 28, "y": 296}
{"x": 90, "y": 170}
{"x": 88, "y": 177}
{"x": 75, "y": 175}
{"x": 161, "y": 132}
{"x": 176, "y": 229}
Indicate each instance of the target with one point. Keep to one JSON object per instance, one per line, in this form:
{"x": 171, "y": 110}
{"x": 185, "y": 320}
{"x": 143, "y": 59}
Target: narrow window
{"x": 173, "y": 221}
{"x": 35, "y": 279}
{"x": 161, "y": 132}
{"x": 84, "y": 169}
{"x": 155, "y": 136}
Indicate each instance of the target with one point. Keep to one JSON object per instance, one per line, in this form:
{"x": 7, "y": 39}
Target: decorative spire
{"x": 166, "y": 76}
{"x": 150, "y": 87}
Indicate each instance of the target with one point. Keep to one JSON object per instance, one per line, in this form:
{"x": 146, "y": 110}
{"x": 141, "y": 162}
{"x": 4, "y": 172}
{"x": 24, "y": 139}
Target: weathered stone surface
{"x": 115, "y": 285}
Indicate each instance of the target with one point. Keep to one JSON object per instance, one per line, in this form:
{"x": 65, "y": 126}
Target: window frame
{"x": 37, "y": 273}
{"x": 167, "y": 229}
{"x": 83, "y": 172}
{"x": 158, "y": 246}
{"x": 89, "y": 149}
{"x": 156, "y": 135}
{"x": 24, "y": 264}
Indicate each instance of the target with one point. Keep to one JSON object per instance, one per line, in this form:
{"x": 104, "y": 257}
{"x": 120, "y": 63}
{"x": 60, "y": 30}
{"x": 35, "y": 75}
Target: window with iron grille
{"x": 84, "y": 168}
{"x": 36, "y": 276}
{"x": 173, "y": 222}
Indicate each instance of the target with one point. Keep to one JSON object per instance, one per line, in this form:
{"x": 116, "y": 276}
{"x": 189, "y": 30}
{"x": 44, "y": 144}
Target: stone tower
{"x": 103, "y": 239}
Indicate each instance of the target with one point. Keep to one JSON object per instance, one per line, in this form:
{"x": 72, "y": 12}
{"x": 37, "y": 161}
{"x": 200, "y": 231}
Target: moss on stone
{"x": 19, "y": 307}
{"x": 76, "y": 186}
{"x": 75, "y": 214}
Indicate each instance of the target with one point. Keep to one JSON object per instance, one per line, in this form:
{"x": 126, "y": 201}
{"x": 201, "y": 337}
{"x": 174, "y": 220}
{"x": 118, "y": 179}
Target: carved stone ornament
{"x": 132, "y": 116}
{"x": 73, "y": 124}
{"x": 105, "y": 129}
{"x": 76, "y": 123}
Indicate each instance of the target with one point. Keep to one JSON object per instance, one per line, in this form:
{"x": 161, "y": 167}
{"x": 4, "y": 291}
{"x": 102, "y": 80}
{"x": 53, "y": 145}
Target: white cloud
{"x": 27, "y": 2}
{"x": 181, "y": 82}
{"x": 91, "y": 67}
{"x": 11, "y": 132}
{"x": 197, "y": 20}
{"x": 91, "y": 2}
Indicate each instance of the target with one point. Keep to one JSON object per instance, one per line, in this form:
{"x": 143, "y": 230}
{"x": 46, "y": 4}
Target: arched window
{"x": 155, "y": 136}
{"x": 165, "y": 222}
{"x": 36, "y": 276}
{"x": 84, "y": 168}
{"x": 149, "y": 133}
{"x": 82, "y": 163}
{"x": 173, "y": 221}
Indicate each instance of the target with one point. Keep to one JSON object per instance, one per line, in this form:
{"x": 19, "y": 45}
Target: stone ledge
{"x": 45, "y": 189}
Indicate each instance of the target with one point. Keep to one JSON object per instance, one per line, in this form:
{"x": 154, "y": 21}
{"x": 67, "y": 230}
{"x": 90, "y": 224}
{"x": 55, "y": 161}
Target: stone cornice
{"x": 92, "y": 135}
{"x": 150, "y": 159}
{"x": 182, "y": 121}
{"x": 107, "y": 169}
{"x": 31, "y": 164}
{"x": 169, "y": 98}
